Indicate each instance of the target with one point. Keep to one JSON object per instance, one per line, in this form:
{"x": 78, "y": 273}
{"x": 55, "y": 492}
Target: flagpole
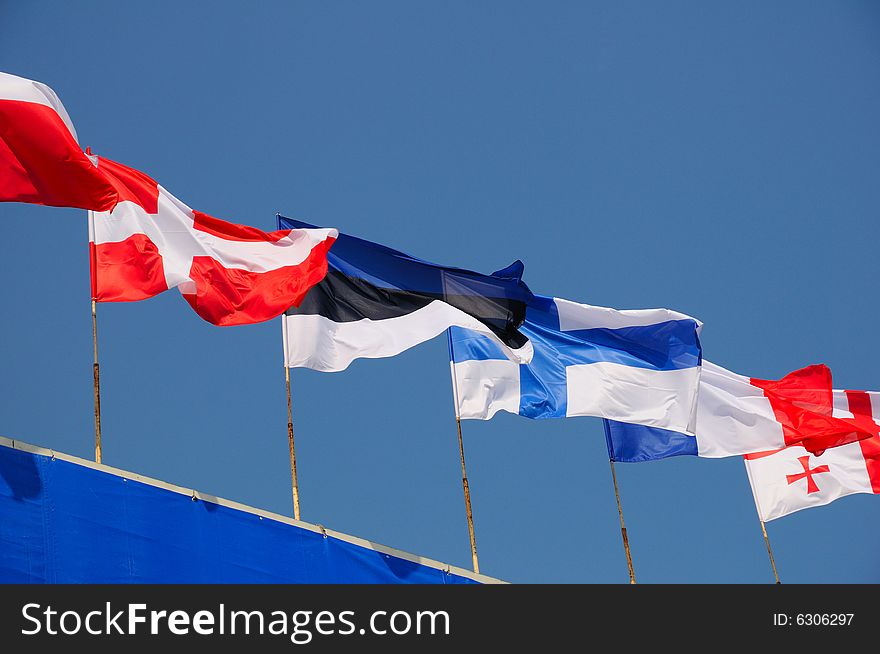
{"x": 464, "y": 479}
{"x": 96, "y": 370}
{"x": 96, "y": 375}
{"x": 769, "y": 551}
{"x": 290, "y": 441}
{"x": 467, "y": 499}
{"x": 629, "y": 561}
{"x": 761, "y": 520}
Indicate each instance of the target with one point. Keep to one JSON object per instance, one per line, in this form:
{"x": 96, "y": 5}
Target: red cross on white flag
{"x": 788, "y": 480}
{"x": 807, "y": 474}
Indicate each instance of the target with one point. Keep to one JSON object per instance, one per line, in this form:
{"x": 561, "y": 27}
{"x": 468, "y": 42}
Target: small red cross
{"x": 808, "y": 473}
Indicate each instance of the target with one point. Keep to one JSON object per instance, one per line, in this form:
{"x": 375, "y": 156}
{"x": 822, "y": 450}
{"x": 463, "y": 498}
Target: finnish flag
{"x": 638, "y": 366}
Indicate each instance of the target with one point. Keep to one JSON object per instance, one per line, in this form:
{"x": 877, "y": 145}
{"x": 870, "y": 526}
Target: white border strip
{"x": 189, "y": 492}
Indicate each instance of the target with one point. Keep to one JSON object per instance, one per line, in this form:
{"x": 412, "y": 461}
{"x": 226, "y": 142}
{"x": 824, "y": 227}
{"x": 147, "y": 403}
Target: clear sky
{"x": 720, "y": 159}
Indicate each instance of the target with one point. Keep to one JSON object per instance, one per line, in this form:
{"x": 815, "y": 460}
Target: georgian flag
{"x": 40, "y": 160}
{"x": 788, "y": 480}
{"x": 377, "y": 302}
{"x": 230, "y": 274}
{"x": 738, "y": 415}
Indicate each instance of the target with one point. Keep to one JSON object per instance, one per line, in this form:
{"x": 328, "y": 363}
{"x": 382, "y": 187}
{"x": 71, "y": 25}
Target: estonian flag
{"x": 377, "y": 302}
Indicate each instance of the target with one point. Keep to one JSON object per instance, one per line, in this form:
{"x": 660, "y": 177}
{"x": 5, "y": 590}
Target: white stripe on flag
{"x": 486, "y": 387}
{"x": 656, "y": 398}
{"x": 13, "y": 87}
{"x": 574, "y": 316}
{"x": 319, "y": 343}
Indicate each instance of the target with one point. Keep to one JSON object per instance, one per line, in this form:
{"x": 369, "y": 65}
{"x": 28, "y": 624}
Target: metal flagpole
{"x": 96, "y": 370}
{"x": 763, "y": 526}
{"x": 467, "y": 499}
{"x": 629, "y": 561}
{"x": 464, "y": 479}
{"x": 290, "y": 443}
{"x": 769, "y": 551}
{"x": 96, "y": 374}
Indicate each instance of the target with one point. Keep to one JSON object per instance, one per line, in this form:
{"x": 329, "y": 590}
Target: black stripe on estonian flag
{"x": 342, "y": 298}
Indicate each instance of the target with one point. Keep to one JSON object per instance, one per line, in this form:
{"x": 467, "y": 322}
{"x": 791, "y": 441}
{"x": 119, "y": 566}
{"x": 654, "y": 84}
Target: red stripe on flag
{"x": 232, "y": 232}
{"x": 860, "y": 407}
{"x": 230, "y": 296}
{"x": 41, "y": 162}
{"x": 760, "y": 455}
{"x": 127, "y": 271}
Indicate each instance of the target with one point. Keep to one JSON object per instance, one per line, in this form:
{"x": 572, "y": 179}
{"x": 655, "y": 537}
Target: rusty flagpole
{"x": 96, "y": 369}
{"x": 629, "y": 560}
{"x": 464, "y": 480}
{"x": 290, "y": 441}
{"x": 769, "y": 551}
{"x": 763, "y": 526}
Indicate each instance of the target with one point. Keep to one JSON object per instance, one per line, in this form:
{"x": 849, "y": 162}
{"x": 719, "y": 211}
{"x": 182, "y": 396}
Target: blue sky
{"x": 720, "y": 159}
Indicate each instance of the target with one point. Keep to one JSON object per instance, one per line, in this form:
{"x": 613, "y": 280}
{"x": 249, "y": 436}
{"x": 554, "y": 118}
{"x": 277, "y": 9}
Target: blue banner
{"x": 64, "y": 522}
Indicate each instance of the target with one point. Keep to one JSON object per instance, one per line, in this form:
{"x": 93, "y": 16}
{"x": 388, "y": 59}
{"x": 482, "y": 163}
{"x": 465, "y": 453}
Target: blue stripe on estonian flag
{"x": 368, "y": 280}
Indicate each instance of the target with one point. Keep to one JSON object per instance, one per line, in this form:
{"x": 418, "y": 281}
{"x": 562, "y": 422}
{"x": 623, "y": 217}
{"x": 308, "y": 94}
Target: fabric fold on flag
{"x": 637, "y": 365}
{"x": 40, "y": 159}
{"x": 229, "y": 274}
{"x": 738, "y": 415}
{"x": 377, "y": 302}
{"x": 792, "y": 478}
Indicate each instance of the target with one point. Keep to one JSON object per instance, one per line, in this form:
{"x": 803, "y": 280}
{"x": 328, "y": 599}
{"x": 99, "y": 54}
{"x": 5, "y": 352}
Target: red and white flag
{"x": 790, "y": 479}
{"x": 40, "y": 160}
{"x": 143, "y": 240}
{"x": 738, "y": 415}
{"x": 230, "y": 274}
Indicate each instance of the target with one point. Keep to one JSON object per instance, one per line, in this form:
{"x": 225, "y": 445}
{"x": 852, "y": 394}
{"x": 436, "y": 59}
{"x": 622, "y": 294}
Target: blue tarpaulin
{"x": 63, "y": 521}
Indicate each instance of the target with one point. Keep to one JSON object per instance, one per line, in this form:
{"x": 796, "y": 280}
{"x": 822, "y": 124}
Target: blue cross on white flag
{"x": 636, "y": 366}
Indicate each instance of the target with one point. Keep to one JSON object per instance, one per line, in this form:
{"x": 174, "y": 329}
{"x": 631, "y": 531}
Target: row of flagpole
{"x": 466, "y": 488}
{"x": 96, "y": 378}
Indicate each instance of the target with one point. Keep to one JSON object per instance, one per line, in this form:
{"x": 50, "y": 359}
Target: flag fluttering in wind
{"x": 143, "y": 240}
{"x": 377, "y": 302}
{"x": 40, "y": 160}
{"x": 230, "y": 274}
{"x": 637, "y": 365}
{"x": 788, "y": 480}
{"x": 740, "y": 415}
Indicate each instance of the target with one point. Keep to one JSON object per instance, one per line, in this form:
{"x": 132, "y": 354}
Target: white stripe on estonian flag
{"x": 316, "y": 342}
